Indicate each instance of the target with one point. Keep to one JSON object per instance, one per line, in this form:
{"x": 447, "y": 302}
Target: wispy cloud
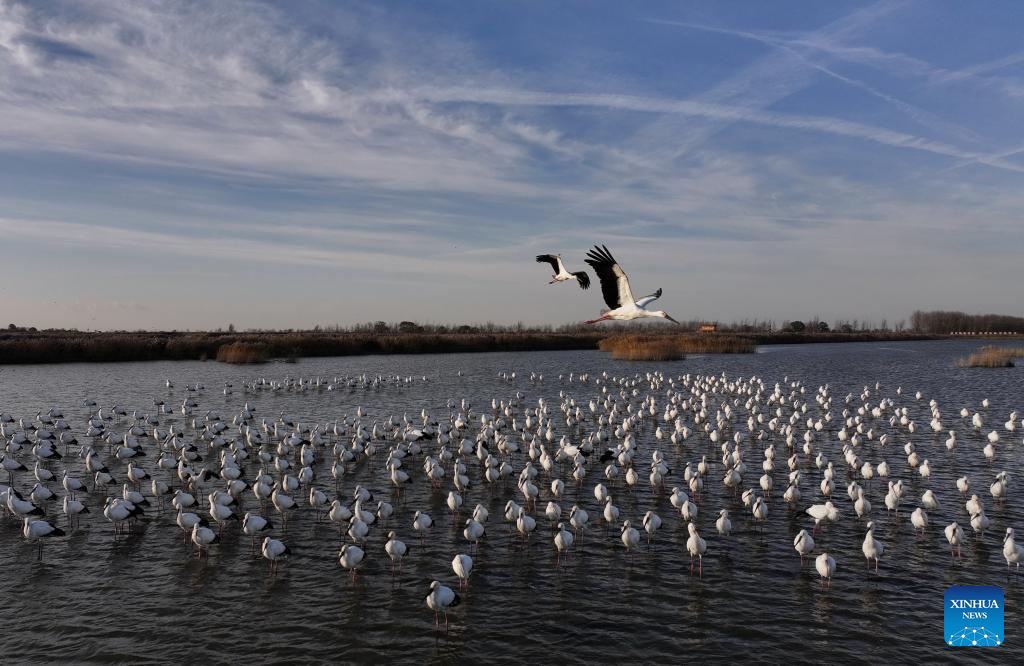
{"x": 824, "y": 124}
{"x": 245, "y": 132}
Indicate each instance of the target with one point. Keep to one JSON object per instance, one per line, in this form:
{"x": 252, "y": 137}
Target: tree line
{"x": 941, "y": 322}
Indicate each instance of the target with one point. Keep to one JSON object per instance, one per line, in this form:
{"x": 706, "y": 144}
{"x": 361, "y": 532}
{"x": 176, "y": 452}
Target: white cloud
{"x": 436, "y": 162}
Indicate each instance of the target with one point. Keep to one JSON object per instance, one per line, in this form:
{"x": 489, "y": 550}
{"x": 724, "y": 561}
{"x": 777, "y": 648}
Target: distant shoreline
{"x": 102, "y": 347}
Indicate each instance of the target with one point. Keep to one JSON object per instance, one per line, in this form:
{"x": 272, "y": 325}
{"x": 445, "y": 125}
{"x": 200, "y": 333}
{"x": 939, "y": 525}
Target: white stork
{"x": 561, "y": 274}
{"x": 616, "y": 291}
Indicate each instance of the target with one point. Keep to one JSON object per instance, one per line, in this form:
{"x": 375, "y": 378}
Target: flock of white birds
{"x": 841, "y": 462}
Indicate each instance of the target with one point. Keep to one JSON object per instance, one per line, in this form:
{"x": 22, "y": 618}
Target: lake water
{"x": 146, "y": 599}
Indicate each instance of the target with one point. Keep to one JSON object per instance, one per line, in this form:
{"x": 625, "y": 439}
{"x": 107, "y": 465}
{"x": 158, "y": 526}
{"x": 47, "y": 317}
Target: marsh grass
{"x": 673, "y": 347}
{"x": 243, "y": 352}
{"x": 641, "y": 348}
{"x": 991, "y": 356}
{"x": 74, "y": 347}
{"x": 69, "y": 346}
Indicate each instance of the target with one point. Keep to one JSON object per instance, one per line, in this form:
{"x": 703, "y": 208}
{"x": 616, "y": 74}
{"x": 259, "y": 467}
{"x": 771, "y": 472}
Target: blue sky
{"x": 186, "y": 165}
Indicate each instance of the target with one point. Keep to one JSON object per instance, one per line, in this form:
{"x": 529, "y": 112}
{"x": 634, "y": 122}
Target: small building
{"x": 707, "y": 328}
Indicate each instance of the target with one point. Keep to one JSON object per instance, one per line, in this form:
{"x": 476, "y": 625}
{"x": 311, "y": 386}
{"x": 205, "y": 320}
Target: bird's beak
{"x": 669, "y": 317}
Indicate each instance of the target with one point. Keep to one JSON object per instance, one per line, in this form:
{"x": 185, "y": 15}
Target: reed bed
{"x": 642, "y": 348}
{"x": 717, "y": 344}
{"x": 991, "y": 356}
{"x": 72, "y": 347}
{"x": 673, "y": 347}
{"x": 243, "y": 352}
{"x": 67, "y": 346}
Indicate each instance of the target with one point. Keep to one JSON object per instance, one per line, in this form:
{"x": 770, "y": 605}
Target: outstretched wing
{"x": 650, "y": 298}
{"x": 583, "y": 279}
{"x": 614, "y": 281}
{"x": 548, "y": 259}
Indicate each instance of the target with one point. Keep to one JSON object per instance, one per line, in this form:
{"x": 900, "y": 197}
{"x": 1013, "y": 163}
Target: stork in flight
{"x": 616, "y": 291}
{"x": 562, "y": 275}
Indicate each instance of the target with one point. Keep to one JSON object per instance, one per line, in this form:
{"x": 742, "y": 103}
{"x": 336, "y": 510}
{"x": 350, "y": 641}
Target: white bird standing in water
{"x": 823, "y": 512}
{"x": 873, "y": 548}
{"x": 462, "y": 565}
{"x": 862, "y": 506}
{"x": 723, "y": 524}
{"x": 274, "y": 551}
{"x": 350, "y": 557}
{"x": 563, "y": 542}
{"x": 421, "y": 522}
{"x": 955, "y": 536}
{"x": 652, "y": 522}
{"x": 439, "y": 600}
{"x": 919, "y": 519}
{"x": 252, "y": 525}
{"x": 826, "y": 567}
{"x": 203, "y": 537}
{"x": 396, "y": 550}
{"x": 760, "y": 512}
{"x": 803, "y": 544}
{"x": 35, "y": 530}
{"x": 696, "y": 546}
{"x": 630, "y": 537}
{"x": 1012, "y": 552}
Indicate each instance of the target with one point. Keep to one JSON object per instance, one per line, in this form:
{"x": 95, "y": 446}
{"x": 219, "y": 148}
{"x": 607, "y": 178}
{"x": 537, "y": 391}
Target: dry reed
{"x": 991, "y": 356}
{"x": 73, "y": 346}
{"x": 243, "y": 352}
{"x": 641, "y": 348}
{"x": 673, "y": 347}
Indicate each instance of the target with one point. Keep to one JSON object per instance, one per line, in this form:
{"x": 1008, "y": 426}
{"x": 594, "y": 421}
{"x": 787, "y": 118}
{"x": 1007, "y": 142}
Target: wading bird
{"x": 562, "y": 275}
{"x": 616, "y": 291}
{"x": 440, "y": 599}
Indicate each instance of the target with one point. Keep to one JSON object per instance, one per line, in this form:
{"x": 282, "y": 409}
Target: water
{"x": 145, "y": 599}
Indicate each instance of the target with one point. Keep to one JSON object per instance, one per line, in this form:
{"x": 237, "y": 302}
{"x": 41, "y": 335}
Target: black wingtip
{"x": 456, "y": 601}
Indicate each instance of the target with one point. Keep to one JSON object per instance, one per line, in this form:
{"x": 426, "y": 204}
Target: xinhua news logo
{"x": 974, "y": 616}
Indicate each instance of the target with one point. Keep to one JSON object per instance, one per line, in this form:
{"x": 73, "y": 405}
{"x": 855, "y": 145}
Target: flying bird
{"x": 616, "y": 291}
{"x": 562, "y": 275}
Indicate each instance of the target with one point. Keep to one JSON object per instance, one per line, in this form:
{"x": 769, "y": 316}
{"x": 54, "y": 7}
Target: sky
{"x": 180, "y": 165}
